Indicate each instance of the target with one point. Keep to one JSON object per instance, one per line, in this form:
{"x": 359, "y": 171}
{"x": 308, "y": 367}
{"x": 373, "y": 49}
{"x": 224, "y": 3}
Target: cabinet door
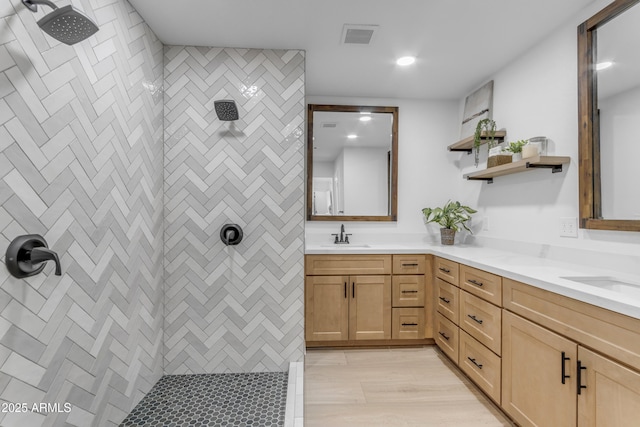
{"x": 534, "y": 360}
{"x": 370, "y": 308}
{"x": 326, "y": 308}
{"x": 612, "y": 393}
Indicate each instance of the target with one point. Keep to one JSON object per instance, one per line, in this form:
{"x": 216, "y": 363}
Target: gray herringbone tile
{"x": 235, "y": 309}
{"x": 81, "y": 163}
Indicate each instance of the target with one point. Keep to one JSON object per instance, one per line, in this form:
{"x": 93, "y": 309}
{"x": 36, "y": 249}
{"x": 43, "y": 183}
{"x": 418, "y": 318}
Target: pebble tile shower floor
{"x": 207, "y": 400}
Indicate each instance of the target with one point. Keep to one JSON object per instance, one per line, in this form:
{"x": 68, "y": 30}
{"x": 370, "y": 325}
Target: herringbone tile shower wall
{"x": 238, "y": 308}
{"x": 81, "y": 163}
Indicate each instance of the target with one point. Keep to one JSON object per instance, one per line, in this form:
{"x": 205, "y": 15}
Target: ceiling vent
{"x": 329, "y": 125}
{"x": 358, "y": 34}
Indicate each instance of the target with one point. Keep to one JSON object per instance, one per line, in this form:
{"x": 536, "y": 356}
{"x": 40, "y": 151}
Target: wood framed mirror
{"x": 607, "y": 106}
{"x": 352, "y": 163}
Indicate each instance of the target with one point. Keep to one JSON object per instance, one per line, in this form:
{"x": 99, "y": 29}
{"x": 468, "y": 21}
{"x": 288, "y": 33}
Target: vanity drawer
{"x": 409, "y": 264}
{"x": 447, "y": 302}
{"x": 407, "y": 323}
{"x": 407, "y": 291}
{"x": 447, "y": 270}
{"x": 446, "y": 337}
{"x": 481, "y": 365}
{"x": 482, "y": 284}
{"x": 337, "y": 265}
{"x": 481, "y": 320}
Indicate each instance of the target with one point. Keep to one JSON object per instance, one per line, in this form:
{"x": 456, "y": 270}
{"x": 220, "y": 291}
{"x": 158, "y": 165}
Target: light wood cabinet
{"x": 480, "y": 364}
{"x": 326, "y": 308}
{"x": 409, "y": 264}
{"x": 370, "y": 308}
{"x": 482, "y": 320}
{"x": 481, "y": 284}
{"x": 446, "y": 336}
{"x": 325, "y": 265}
{"x": 447, "y": 300}
{"x": 407, "y": 323}
{"x": 447, "y": 270}
{"x": 408, "y": 291}
{"x": 611, "y": 396}
{"x": 538, "y": 374}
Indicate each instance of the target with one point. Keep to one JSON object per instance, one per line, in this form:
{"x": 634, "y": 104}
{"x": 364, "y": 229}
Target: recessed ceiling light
{"x": 603, "y": 65}
{"x": 406, "y": 60}
{"x": 365, "y": 118}
{"x": 352, "y": 136}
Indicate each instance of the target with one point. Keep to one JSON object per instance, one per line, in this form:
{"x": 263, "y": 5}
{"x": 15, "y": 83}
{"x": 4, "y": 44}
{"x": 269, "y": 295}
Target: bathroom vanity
{"x": 548, "y": 343}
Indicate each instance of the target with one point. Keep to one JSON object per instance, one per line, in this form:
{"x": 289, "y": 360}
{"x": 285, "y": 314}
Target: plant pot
{"x": 447, "y": 236}
{"x": 516, "y": 157}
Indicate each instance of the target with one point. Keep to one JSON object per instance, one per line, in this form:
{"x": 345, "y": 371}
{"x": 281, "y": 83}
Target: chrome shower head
{"x": 66, "y": 24}
{"x": 226, "y": 110}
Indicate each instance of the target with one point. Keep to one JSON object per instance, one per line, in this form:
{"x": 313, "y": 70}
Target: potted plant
{"x": 483, "y": 125}
{"x": 451, "y": 216}
{"x": 516, "y": 148}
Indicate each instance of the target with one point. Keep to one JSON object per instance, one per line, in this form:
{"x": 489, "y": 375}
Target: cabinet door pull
{"x": 474, "y": 362}
{"x": 409, "y": 292}
{"x": 414, "y": 264}
{"x": 473, "y": 317}
{"x": 446, "y": 301}
{"x": 444, "y": 269}
{"x": 444, "y": 335}
{"x": 475, "y": 282}
{"x": 409, "y": 324}
{"x": 353, "y": 289}
{"x": 345, "y": 289}
{"x": 564, "y": 371}
{"x": 580, "y": 386}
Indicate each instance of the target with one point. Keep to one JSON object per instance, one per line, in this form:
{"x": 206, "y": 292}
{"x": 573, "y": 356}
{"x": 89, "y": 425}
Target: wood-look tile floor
{"x": 391, "y": 387}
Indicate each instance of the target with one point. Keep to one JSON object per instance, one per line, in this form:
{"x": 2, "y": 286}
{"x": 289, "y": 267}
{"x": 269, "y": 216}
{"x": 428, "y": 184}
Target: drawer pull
{"x": 409, "y": 324}
{"x": 345, "y": 289}
{"x": 444, "y": 269}
{"x": 580, "y": 386}
{"x": 415, "y": 264}
{"x": 564, "y": 371}
{"x": 475, "y": 282}
{"x": 444, "y": 335}
{"x": 479, "y": 365}
{"x": 409, "y": 292}
{"x": 353, "y": 289}
{"x": 473, "y": 317}
{"x": 446, "y": 301}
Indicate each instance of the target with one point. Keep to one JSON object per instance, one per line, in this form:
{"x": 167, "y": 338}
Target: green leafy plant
{"x": 516, "y": 147}
{"x": 483, "y": 125}
{"x": 452, "y": 215}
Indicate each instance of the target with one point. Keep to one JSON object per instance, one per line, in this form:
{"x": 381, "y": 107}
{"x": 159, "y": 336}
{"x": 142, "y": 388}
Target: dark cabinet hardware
{"x": 474, "y": 318}
{"x": 353, "y": 289}
{"x": 444, "y": 335}
{"x": 409, "y": 324}
{"x": 579, "y": 382}
{"x": 409, "y": 292}
{"x": 479, "y": 365}
{"x": 345, "y": 289}
{"x": 446, "y": 301}
{"x": 564, "y": 370}
{"x": 410, "y": 265}
{"x": 26, "y": 256}
{"x": 475, "y": 282}
{"x": 444, "y": 270}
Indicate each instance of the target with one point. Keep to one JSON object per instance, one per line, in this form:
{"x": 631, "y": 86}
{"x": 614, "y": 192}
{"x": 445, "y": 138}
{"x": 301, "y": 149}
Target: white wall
{"x": 427, "y": 175}
{"x": 537, "y": 95}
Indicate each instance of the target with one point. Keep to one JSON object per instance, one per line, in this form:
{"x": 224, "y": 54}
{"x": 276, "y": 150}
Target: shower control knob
{"x": 26, "y": 256}
{"x": 231, "y": 234}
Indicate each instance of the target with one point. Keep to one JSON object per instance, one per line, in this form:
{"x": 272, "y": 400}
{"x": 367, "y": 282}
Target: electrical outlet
{"x": 569, "y": 227}
{"x": 485, "y": 223}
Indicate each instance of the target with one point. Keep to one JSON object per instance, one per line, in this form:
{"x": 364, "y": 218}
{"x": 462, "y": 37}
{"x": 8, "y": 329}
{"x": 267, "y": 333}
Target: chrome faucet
{"x": 343, "y": 237}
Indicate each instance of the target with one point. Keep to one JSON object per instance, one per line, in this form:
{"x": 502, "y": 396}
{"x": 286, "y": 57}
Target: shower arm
{"x": 33, "y": 4}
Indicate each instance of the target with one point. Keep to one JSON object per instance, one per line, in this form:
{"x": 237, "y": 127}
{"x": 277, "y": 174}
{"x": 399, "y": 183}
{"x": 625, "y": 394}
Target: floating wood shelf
{"x": 550, "y": 162}
{"x": 467, "y": 143}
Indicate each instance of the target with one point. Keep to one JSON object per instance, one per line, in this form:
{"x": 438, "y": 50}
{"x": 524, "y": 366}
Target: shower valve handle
{"x": 26, "y": 256}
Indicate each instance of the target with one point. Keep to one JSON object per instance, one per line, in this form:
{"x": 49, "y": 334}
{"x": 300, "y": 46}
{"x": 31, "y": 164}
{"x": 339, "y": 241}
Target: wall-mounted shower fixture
{"x": 231, "y": 234}
{"x": 66, "y": 24}
{"x": 226, "y": 110}
{"x": 27, "y": 255}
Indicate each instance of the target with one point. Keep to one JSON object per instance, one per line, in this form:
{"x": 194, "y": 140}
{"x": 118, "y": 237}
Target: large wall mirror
{"x": 609, "y": 117}
{"x": 352, "y": 163}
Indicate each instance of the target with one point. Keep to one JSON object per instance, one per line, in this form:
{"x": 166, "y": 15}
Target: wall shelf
{"x": 549, "y": 162}
{"x": 467, "y": 143}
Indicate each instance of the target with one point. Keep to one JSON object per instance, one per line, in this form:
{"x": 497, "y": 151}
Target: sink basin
{"x": 345, "y": 246}
{"x": 609, "y": 283}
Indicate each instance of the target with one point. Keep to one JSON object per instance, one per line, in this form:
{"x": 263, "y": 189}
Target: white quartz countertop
{"x": 543, "y": 273}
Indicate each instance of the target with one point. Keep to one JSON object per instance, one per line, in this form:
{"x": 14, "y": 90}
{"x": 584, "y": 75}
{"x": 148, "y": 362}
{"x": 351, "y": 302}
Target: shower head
{"x": 226, "y": 110}
{"x": 66, "y": 24}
